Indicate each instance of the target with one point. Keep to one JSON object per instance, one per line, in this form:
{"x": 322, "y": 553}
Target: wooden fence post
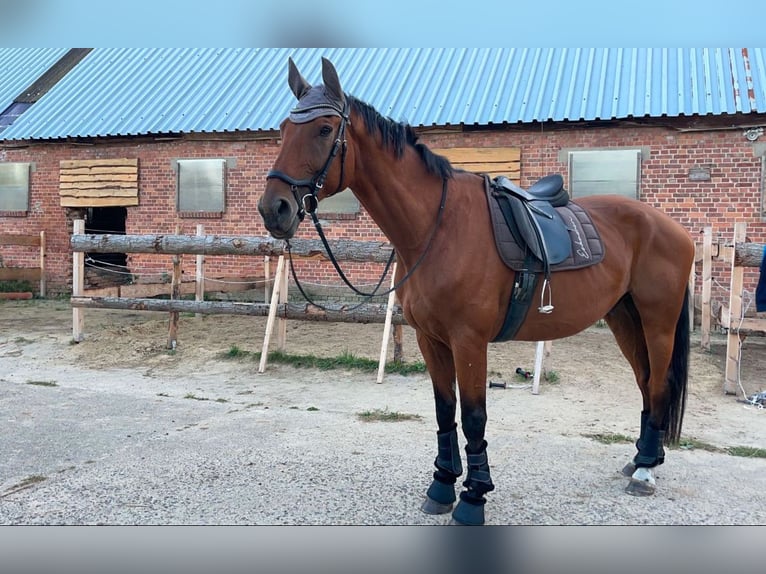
{"x": 733, "y": 340}
{"x": 78, "y": 284}
{"x": 175, "y": 293}
{"x": 272, "y": 313}
{"x": 387, "y": 327}
{"x": 266, "y": 279}
{"x": 707, "y": 284}
{"x": 542, "y": 350}
{"x": 199, "y": 286}
{"x": 42, "y": 264}
{"x": 398, "y": 347}
{"x": 281, "y": 321}
{"x": 690, "y": 303}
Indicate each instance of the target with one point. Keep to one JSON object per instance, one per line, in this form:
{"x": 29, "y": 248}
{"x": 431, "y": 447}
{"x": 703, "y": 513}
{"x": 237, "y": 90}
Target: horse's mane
{"x": 397, "y": 135}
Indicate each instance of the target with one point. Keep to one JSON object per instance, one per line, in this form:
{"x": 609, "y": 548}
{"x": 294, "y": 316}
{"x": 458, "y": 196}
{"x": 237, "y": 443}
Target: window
{"x": 201, "y": 187}
{"x": 14, "y": 188}
{"x": 606, "y": 171}
{"x": 341, "y": 205}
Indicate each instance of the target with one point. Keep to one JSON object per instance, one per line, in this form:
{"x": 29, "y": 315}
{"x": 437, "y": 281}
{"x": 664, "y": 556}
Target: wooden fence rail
{"x": 334, "y": 313}
{"x": 344, "y": 250}
{"x": 277, "y": 311}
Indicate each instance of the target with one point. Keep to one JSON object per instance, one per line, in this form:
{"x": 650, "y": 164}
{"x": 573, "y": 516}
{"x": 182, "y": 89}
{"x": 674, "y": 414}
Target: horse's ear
{"x": 298, "y": 83}
{"x": 331, "y": 81}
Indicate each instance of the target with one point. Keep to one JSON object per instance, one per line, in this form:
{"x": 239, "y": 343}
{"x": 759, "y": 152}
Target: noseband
{"x": 308, "y": 202}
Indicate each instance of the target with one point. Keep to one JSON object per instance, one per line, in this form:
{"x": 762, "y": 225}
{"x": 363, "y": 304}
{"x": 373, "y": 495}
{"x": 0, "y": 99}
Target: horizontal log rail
{"x": 340, "y": 313}
{"x": 344, "y": 250}
{"x": 748, "y": 254}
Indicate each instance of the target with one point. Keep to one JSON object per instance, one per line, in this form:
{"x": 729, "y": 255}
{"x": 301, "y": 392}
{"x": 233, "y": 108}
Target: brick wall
{"x": 732, "y": 194}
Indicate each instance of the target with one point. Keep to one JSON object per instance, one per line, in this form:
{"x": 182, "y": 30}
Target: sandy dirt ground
{"x": 592, "y": 376}
{"x": 594, "y": 390}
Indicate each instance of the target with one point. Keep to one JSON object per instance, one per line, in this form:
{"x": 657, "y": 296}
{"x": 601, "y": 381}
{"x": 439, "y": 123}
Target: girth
{"x": 538, "y": 230}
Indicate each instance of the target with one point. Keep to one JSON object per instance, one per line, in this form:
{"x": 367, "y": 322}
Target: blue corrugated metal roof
{"x": 20, "y": 67}
{"x": 117, "y": 92}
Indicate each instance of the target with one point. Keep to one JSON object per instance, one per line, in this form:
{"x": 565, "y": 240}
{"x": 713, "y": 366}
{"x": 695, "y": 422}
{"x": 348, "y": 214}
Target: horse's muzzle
{"x": 280, "y": 216}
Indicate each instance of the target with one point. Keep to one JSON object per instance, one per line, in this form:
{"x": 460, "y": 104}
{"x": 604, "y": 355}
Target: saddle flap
{"x": 553, "y": 230}
{"x": 541, "y": 228}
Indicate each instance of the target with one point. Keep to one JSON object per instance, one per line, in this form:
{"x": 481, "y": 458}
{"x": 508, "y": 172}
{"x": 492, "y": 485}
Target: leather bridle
{"x": 308, "y": 202}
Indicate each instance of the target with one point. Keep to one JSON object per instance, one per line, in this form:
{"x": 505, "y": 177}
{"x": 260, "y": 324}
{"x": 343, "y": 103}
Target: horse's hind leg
{"x": 657, "y": 347}
{"x": 665, "y": 322}
{"x": 440, "y": 496}
{"x": 625, "y": 323}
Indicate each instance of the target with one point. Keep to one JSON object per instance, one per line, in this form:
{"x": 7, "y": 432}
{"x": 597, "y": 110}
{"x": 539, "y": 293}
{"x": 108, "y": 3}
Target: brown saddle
{"x": 538, "y": 230}
{"x": 586, "y": 245}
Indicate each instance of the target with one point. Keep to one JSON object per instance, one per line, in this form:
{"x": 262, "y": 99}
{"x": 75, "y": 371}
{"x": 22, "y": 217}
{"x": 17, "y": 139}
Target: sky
{"x": 380, "y": 23}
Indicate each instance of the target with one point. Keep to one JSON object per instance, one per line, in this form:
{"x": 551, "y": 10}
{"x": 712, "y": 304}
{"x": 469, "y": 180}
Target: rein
{"x": 342, "y": 275}
{"x": 308, "y": 203}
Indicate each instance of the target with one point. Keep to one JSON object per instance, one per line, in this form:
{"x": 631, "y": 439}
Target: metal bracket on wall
{"x": 753, "y": 134}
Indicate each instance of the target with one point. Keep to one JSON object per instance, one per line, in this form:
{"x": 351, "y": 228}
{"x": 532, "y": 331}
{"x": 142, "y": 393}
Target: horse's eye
{"x": 325, "y": 131}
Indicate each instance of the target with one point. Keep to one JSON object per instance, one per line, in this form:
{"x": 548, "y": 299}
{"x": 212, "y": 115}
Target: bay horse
{"x": 455, "y": 290}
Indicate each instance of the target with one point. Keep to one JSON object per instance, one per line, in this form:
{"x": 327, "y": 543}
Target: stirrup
{"x": 546, "y": 308}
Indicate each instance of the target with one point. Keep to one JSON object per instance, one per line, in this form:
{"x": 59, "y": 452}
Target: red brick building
{"x": 704, "y": 169}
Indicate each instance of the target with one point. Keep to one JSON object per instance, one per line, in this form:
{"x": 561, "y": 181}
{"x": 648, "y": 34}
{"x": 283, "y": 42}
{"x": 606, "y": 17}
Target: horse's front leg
{"x": 441, "y": 494}
{"x": 471, "y": 369}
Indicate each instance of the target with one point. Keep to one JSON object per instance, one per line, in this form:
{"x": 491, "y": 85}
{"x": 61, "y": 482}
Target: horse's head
{"x": 311, "y": 159}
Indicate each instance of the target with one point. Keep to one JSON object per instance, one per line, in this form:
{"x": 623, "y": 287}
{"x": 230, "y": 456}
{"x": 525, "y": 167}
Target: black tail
{"x": 678, "y": 375}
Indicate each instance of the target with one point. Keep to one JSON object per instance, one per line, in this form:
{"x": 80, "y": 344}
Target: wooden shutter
{"x": 98, "y": 182}
{"x": 490, "y": 160}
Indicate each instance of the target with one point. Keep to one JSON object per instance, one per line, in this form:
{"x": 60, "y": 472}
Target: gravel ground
{"x": 200, "y": 440}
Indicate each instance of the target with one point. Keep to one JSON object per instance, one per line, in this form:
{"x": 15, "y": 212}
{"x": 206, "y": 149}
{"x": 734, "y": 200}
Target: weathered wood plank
{"x": 745, "y": 325}
{"x": 480, "y": 154}
{"x": 98, "y": 171}
{"x": 116, "y": 180}
{"x": 104, "y": 191}
{"x": 112, "y": 201}
{"x": 76, "y": 163}
{"x": 500, "y": 167}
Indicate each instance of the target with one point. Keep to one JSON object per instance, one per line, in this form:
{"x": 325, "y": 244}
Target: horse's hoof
{"x": 640, "y": 488}
{"x": 628, "y": 469}
{"x": 430, "y": 506}
{"x": 467, "y": 514}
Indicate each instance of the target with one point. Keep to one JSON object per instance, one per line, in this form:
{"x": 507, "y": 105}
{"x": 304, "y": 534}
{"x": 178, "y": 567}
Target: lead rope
{"x": 333, "y": 260}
